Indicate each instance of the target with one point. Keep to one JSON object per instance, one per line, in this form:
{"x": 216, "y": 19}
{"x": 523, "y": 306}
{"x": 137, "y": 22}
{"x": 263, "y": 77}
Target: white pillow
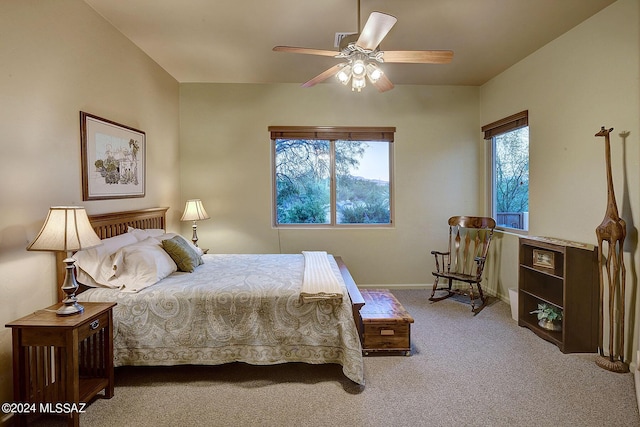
{"x": 142, "y": 234}
{"x": 94, "y": 266}
{"x": 140, "y": 265}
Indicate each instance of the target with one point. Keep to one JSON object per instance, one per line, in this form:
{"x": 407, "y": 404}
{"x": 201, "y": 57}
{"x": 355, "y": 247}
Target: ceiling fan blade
{"x": 305, "y": 51}
{"x": 377, "y": 27}
{"x": 418, "y": 56}
{"x": 383, "y": 84}
{"x": 324, "y": 75}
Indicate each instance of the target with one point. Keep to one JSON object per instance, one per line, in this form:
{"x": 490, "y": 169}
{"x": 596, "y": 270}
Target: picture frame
{"x": 543, "y": 259}
{"x": 113, "y": 159}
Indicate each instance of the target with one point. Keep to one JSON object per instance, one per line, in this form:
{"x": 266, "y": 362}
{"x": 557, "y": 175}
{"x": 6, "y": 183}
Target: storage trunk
{"x": 386, "y": 325}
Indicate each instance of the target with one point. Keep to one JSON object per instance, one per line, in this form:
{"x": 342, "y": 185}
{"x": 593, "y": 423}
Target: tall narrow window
{"x": 509, "y": 139}
{"x": 332, "y": 176}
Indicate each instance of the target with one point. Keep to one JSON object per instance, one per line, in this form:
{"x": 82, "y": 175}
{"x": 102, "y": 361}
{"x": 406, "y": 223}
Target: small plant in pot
{"x": 549, "y": 317}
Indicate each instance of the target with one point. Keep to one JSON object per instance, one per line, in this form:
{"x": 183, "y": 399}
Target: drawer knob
{"x": 94, "y": 325}
{"x": 387, "y": 332}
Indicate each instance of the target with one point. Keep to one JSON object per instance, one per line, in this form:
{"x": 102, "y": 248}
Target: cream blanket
{"x": 319, "y": 281}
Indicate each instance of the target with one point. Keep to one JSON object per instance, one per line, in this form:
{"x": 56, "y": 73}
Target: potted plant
{"x": 549, "y": 317}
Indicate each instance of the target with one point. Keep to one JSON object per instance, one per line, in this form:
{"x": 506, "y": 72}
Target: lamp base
{"x": 69, "y": 309}
{"x": 69, "y": 287}
{"x": 194, "y": 238}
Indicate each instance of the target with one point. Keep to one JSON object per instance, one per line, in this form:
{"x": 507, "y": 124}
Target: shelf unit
{"x": 564, "y": 274}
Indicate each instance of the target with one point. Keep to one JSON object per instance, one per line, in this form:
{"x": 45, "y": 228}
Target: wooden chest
{"x": 386, "y": 325}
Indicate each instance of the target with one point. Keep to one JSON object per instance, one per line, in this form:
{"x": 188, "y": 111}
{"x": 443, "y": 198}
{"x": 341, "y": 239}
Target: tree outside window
{"x": 303, "y": 172}
{"x": 332, "y": 181}
{"x": 362, "y": 189}
{"x": 510, "y": 170}
{"x": 511, "y": 179}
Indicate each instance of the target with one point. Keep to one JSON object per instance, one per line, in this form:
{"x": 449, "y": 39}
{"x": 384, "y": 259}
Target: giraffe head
{"x": 604, "y": 132}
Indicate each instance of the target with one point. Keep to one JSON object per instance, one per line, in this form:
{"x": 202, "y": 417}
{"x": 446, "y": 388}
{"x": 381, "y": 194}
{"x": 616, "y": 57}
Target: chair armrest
{"x": 439, "y": 253}
{"x": 442, "y": 256}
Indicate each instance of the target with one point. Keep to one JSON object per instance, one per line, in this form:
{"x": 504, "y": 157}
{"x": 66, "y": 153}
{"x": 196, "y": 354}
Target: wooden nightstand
{"x": 63, "y": 359}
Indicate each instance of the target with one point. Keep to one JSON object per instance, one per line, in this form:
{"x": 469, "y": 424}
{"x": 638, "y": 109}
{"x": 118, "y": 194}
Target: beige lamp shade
{"x": 194, "y": 211}
{"x": 67, "y": 228}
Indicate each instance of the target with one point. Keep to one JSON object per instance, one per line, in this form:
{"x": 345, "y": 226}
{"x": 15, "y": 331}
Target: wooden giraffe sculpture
{"x": 612, "y": 230}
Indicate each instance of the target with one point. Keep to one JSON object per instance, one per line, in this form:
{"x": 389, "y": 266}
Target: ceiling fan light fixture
{"x": 374, "y": 72}
{"x": 361, "y": 53}
{"x": 358, "y": 83}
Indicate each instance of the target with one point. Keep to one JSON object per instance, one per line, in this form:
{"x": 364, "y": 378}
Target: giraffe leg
{"x": 601, "y": 308}
{"x": 615, "y": 299}
{"x": 615, "y": 266}
{"x": 611, "y": 276}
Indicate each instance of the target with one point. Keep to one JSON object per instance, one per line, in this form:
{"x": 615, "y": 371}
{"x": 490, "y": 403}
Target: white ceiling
{"x": 231, "y": 41}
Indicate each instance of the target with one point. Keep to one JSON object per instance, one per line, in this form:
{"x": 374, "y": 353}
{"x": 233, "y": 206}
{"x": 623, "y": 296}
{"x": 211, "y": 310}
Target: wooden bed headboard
{"x": 116, "y": 223}
{"x": 113, "y": 224}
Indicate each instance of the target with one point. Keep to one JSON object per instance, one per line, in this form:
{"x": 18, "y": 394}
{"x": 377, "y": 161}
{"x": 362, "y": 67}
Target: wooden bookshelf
{"x": 564, "y": 274}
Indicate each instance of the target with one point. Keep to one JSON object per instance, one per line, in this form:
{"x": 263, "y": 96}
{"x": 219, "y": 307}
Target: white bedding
{"x": 319, "y": 280}
{"x": 244, "y": 308}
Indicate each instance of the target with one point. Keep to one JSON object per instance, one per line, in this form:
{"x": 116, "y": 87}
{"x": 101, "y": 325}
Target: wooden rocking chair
{"x": 469, "y": 239}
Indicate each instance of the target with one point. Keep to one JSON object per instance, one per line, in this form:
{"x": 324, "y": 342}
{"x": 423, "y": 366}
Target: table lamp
{"x": 66, "y": 229}
{"x": 194, "y": 211}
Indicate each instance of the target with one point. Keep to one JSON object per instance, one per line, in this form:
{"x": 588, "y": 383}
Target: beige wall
{"x": 583, "y": 80}
{"x": 225, "y": 160}
{"x": 58, "y": 58}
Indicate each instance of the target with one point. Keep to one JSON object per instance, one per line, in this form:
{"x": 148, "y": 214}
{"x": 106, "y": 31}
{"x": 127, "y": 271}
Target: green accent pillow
{"x": 185, "y": 257}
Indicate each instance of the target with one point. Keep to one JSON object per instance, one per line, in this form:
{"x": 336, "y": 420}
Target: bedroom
{"x": 210, "y": 141}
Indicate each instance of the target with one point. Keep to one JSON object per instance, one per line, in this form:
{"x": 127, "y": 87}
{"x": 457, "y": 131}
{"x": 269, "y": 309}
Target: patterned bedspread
{"x": 243, "y": 308}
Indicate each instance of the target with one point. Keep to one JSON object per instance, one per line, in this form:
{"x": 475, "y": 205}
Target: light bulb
{"x": 344, "y": 74}
{"x": 374, "y": 72}
{"x": 358, "y": 68}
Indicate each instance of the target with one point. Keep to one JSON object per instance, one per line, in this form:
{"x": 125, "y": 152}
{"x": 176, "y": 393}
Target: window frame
{"x": 332, "y": 134}
{"x": 492, "y": 130}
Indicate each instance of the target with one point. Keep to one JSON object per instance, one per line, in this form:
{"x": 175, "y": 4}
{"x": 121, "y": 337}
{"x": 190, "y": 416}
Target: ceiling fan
{"x": 362, "y": 55}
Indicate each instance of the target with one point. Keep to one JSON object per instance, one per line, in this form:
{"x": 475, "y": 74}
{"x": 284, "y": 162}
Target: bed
{"x": 232, "y": 308}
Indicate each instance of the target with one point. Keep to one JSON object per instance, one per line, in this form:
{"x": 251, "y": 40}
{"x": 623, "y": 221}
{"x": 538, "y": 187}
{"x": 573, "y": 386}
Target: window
{"x": 509, "y": 139}
{"x": 332, "y": 175}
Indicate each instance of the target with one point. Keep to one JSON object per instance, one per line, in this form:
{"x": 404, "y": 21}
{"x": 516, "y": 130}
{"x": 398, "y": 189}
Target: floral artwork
{"x": 113, "y": 159}
{"x": 117, "y": 165}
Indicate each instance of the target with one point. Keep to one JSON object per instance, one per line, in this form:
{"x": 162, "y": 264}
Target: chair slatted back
{"x": 469, "y": 238}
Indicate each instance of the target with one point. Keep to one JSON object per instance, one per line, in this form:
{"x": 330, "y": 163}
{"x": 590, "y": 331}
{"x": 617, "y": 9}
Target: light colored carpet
{"x": 466, "y": 370}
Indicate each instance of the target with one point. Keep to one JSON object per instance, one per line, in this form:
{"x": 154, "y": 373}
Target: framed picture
{"x": 113, "y": 159}
{"x": 543, "y": 259}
